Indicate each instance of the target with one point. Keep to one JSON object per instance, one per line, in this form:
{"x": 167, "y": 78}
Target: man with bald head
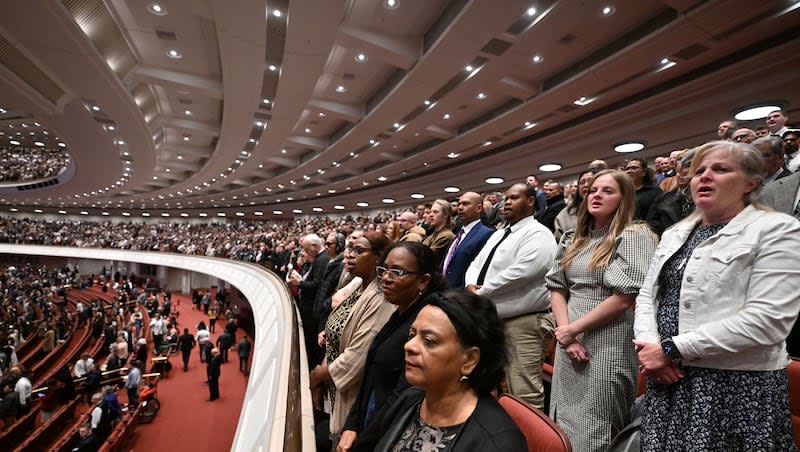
{"x": 408, "y": 224}
{"x": 744, "y": 135}
{"x": 468, "y": 241}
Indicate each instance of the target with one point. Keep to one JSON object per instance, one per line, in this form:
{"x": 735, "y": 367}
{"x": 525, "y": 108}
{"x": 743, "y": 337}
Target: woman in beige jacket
{"x": 355, "y": 318}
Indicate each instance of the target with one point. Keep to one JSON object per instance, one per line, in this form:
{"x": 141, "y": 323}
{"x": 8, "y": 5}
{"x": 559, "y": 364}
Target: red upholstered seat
{"x": 793, "y": 369}
{"x": 541, "y": 433}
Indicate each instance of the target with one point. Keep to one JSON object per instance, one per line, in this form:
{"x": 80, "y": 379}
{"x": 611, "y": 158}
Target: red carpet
{"x": 186, "y": 422}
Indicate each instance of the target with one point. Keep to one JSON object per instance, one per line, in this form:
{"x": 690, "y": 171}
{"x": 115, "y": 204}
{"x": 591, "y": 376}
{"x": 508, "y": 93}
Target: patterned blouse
{"x": 421, "y": 437}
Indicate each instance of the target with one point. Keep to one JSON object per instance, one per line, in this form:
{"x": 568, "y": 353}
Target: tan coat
{"x": 367, "y": 317}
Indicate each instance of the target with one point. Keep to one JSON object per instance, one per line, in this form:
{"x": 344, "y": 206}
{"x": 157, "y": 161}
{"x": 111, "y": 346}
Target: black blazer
{"x": 384, "y": 376}
{"x": 310, "y": 286}
{"x": 488, "y": 429}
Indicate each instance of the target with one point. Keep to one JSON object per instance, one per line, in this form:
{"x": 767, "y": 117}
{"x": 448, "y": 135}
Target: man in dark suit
{"x": 309, "y": 285}
{"x": 186, "y": 343}
{"x": 781, "y": 194}
{"x": 214, "y": 365}
{"x": 468, "y": 242}
{"x": 89, "y": 442}
{"x": 771, "y": 148}
{"x": 555, "y": 204}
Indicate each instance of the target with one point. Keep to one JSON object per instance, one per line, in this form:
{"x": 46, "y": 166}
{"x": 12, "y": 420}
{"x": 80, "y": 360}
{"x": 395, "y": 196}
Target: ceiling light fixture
{"x": 38, "y": 143}
{"x": 341, "y": 89}
{"x": 531, "y": 12}
{"x": 317, "y": 209}
{"x": 452, "y": 189}
{"x": 174, "y": 54}
{"x": 277, "y": 13}
{"x": 308, "y": 130}
{"x": 387, "y": 201}
{"x": 469, "y": 68}
{"x": 608, "y": 10}
{"x": 494, "y": 180}
{"x": 630, "y": 146}
{"x": 361, "y": 57}
{"x": 453, "y": 155}
{"x": 188, "y": 113}
{"x": 272, "y": 67}
{"x": 157, "y": 9}
{"x": 94, "y": 108}
{"x": 583, "y": 101}
{"x": 427, "y": 103}
{"x": 417, "y": 196}
{"x": 321, "y": 114}
{"x": 752, "y": 112}
{"x": 549, "y": 167}
{"x": 537, "y": 59}
{"x": 265, "y": 101}
{"x": 14, "y": 142}
{"x": 481, "y": 96}
{"x": 362, "y": 204}
{"x": 338, "y": 207}
{"x": 62, "y": 145}
{"x": 391, "y": 4}
{"x": 446, "y": 116}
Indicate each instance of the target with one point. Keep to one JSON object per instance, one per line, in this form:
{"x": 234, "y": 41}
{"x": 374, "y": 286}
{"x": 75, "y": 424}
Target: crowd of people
{"x": 21, "y": 164}
{"x": 685, "y": 270}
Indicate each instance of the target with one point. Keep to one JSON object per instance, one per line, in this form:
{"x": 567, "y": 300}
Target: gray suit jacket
{"x": 780, "y": 194}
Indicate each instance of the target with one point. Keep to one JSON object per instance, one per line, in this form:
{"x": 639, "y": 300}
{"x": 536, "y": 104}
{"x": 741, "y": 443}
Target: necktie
{"x": 796, "y": 212}
{"x": 453, "y": 249}
{"x": 485, "y": 268}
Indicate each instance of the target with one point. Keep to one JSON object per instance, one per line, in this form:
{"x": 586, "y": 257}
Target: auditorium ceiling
{"x": 251, "y": 109}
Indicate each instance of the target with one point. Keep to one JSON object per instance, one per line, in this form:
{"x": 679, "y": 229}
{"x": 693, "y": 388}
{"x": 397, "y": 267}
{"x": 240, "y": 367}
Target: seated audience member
{"x": 88, "y": 440}
{"x": 440, "y": 238}
{"x": 555, "y": 203}
{"x": 643, "y": 182}
{"x": 408, "y": 278}
{"x": 721, "y": 295}
{"x": 676, "y": 204}
{"x": 771, "y": 149}
{"x": 455, "y": 357}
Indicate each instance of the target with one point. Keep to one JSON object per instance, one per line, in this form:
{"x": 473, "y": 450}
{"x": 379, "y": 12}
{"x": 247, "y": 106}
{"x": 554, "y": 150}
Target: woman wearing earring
{"x": 593, "y": 284}
{"x": 408, "y": 278}
{"x": 455, "y": 356}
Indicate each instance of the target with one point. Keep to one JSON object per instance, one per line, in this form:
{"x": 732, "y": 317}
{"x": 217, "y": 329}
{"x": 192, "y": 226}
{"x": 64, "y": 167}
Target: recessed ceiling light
{"x": 185, "y": 215}
{"x": 391, "y": 4}
{"x": 531, "y": 12}
{"x": 583, "y": 101}
{"x": 111, "y": 127}
{"x": 631, "y": 146}
{"x": 549, "y": 167}
{"x": 145, "y": 214}
{"x": 277, "y": 13}
{"x": 382, "y": 178}
{"x": 272, "y": 67}
{"x": 174, "y": 53}
{"x": 396, "y": 125}
{"x": 453, "y": 155}
{"x": 446, "y": 116}
{"x": 94, "y": 108}
{"x": 417, "y": 196}
{"x": 341, "y": 89}
{"x": 469, "y": 68}
{"x": 387, "y": 201}
{"x": 239, "y": 214}
{"x": 37, "y": 210}
{"x": 452, "y": 189}
{"x": 38, "y": 143}
{"x": 537, "y": 59}
{"x": 265, "y": 101}
{"x": 62, "y": 145}
{"x": 186, "y": 138}
{"x": 155, "y": 177}
{"x": 14, "y": 209}
{"x": 361, "y": 58}
{"x": 297, "y": 211}
{"x": 317, "y": 209}
{"x": 608, "y": 10}
{"x": 755, "y": 112}
{"x": 308, "y": 130}
{"x": 203, "y": 214}
{"x": 187, "y": 113}
{"x": 157, "y": 9}
{"x": 221, "y": 214}
{"x": 259, "y": 124}
{"x": 321, "y": 114}
{"x": 362, "y": 204}
{"x": 481, "y": 96}
{"x": 14, "y": 142}
{"x": 62, "y": 212}
{"x": 494, "y": 180}
{"x": 427, "y": 102}
{"x": 338, "y": 207}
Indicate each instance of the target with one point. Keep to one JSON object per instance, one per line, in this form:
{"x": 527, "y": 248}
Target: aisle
{"x": 186, "y": 422}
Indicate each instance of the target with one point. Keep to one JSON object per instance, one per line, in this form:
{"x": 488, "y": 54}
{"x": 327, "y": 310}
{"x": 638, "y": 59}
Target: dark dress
{"x": 711, "y": 409}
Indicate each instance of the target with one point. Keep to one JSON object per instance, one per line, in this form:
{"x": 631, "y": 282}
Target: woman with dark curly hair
{"x": 455, "y": 356}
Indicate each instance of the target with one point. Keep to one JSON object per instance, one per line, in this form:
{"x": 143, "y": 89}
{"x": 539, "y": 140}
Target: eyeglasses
{"x": 357, "y": 250}
{"x": 393, "y": 273}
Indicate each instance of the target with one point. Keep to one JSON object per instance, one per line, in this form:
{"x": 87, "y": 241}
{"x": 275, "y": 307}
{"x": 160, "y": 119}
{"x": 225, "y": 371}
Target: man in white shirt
{"x": 24, "y": 388}
{"x": 84, "y": 365}
{"x": 776, "y": 122}
{"x": 791, "y": 139}
{"x": 510, "y": 271}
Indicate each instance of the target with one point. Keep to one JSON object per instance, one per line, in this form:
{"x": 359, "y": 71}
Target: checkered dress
{"x": 591, "y": 401}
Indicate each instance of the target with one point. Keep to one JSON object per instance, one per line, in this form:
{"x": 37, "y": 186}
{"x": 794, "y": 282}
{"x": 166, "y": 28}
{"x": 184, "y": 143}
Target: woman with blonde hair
{"x": 599, "y": 269}
{"x": 439, "y": 240}
{"x": 393, "y": 231}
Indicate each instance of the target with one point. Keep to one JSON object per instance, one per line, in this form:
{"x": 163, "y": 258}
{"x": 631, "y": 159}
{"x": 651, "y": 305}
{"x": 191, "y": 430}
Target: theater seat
{"x": 793, "y": 370}
{"x": 541, "y": 433}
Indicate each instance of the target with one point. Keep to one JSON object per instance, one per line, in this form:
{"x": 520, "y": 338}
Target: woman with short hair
{"x": 721, "y": 295}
